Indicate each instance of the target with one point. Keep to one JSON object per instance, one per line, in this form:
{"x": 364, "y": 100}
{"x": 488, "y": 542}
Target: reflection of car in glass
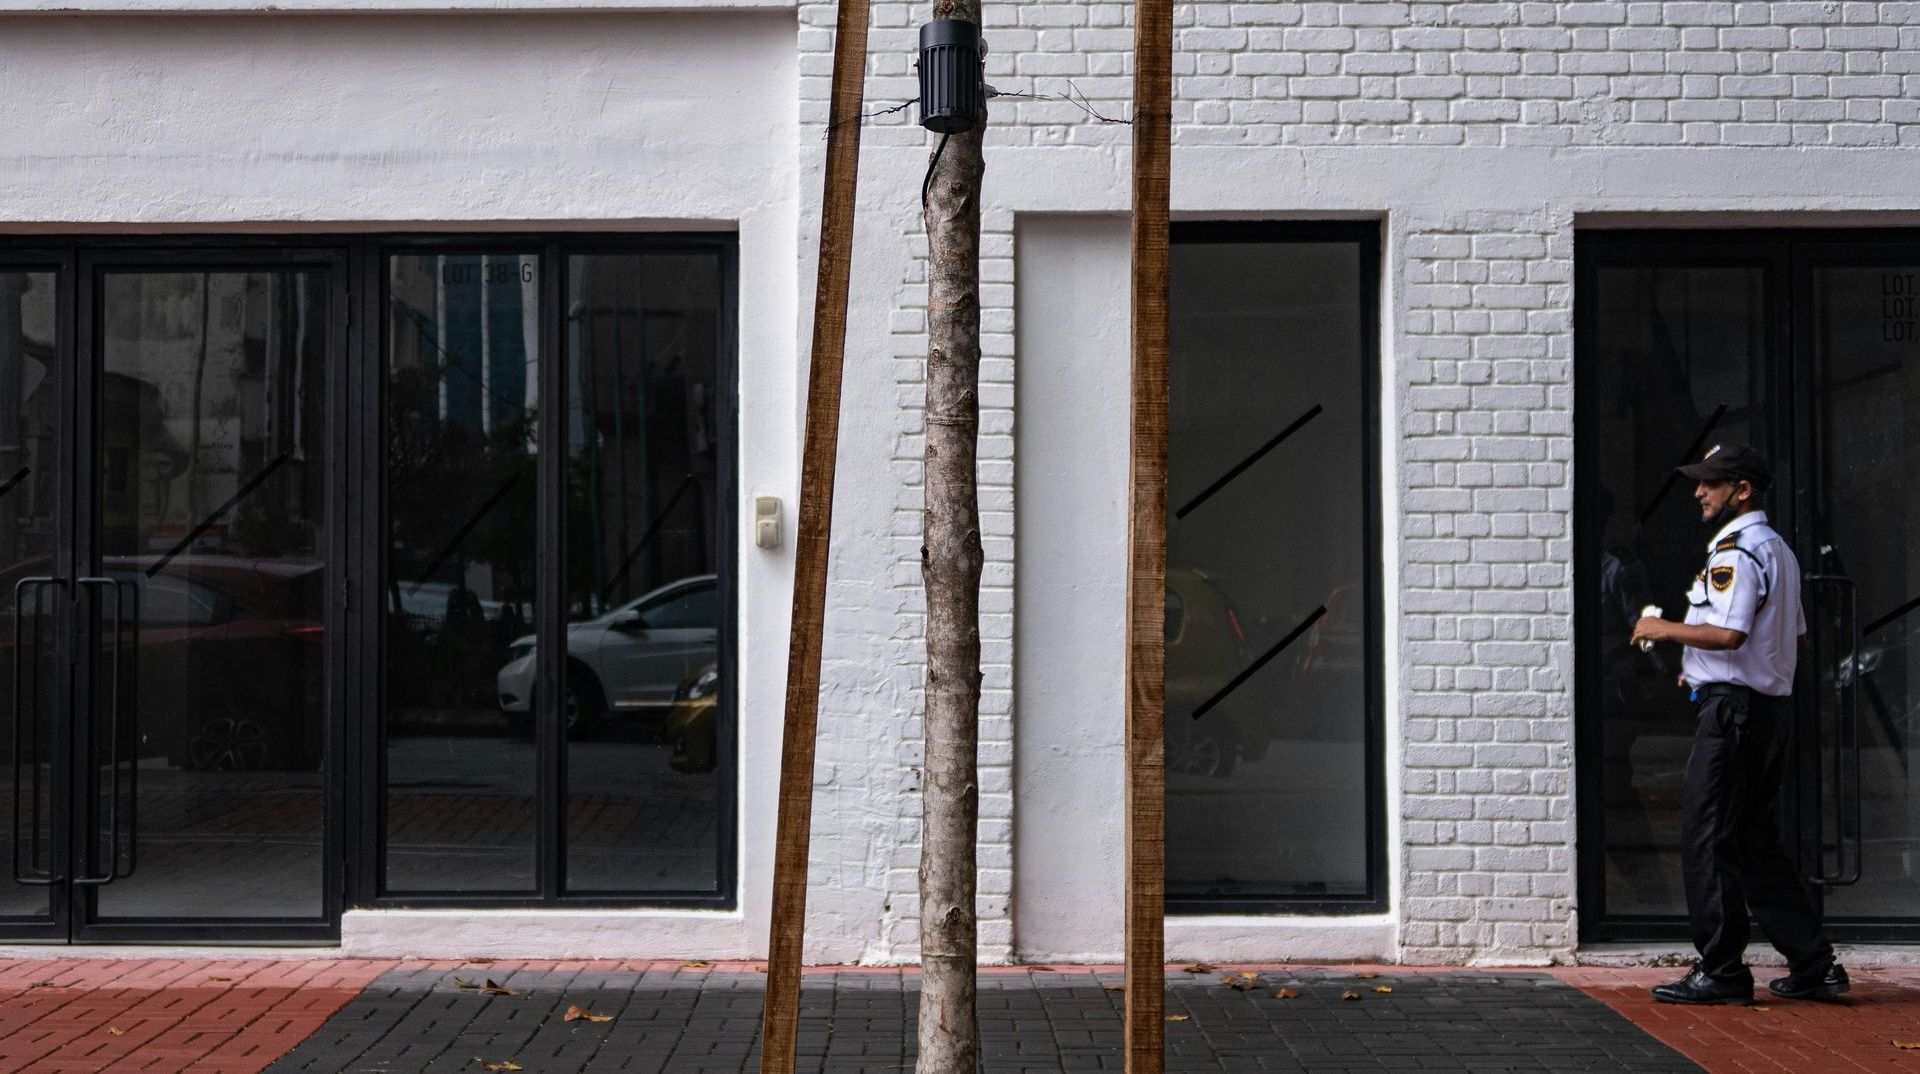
{"x": 228, "y": 651}
{"x": 690, "y": 726}
{"x": 626, "y": 664}
{"x": 1206, "y": 646}
{"x": 1205, "y": 650}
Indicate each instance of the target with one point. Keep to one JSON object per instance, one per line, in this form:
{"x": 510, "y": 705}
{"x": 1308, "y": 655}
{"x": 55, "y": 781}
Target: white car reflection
{"x": 627, "y": 664}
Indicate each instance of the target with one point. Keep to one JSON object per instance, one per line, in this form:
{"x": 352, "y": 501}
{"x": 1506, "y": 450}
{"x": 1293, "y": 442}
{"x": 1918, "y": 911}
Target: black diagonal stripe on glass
{"x": 1247, "y": 462}
{"x": 1292, "y": 635}
{"x": 653, "y": 527}
{"x": 461, "y": 536}
{"x": 219, "y": 512}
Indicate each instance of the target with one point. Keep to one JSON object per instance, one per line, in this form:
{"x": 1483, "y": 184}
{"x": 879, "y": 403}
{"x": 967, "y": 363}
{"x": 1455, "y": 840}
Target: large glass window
{"x": 643, "y": 683}
{"x": 461, "y": 401}
{"x": 595, "y": 527}
{"x": 1271, "y": 721}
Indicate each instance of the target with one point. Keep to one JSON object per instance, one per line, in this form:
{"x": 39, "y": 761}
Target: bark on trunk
{"x": 950, "y": 562}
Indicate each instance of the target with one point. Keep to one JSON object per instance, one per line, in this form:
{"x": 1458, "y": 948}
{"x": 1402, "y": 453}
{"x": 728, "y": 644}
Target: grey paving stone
{"x": 1040, "y": 1022}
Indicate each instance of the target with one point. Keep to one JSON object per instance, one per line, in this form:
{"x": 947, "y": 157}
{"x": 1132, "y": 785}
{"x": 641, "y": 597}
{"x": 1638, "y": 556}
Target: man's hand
{"x": 1650, "y": 628}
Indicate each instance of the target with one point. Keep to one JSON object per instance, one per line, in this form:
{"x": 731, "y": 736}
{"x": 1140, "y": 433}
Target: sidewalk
{"x": 338, "y": 1015}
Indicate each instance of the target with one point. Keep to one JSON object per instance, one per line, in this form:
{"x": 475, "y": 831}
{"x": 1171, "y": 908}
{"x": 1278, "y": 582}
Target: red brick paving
{"x": 1784, "y": 1035}
{"x": 165, "y": 1015}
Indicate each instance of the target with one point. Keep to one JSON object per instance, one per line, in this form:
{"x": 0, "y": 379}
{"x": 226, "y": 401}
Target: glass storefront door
{"x": 166, "y": 527}
{"x": 1806, "y": 346}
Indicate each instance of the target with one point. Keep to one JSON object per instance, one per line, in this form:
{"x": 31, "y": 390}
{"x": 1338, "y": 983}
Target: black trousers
{"x": 1730, "y": 848}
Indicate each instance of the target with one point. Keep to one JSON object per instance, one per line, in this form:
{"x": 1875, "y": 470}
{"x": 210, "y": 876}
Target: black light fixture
{"x": 952, "y": 93}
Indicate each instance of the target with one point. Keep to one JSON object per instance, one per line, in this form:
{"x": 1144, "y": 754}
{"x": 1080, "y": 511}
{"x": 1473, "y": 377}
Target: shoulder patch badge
{"x": 1721, "y": 577}
{"x": 1728, "y": 543}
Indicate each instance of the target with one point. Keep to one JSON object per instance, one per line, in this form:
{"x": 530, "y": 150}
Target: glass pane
{"x": 1267, "y": 788}
{"x": 212, "y": 492}
{"x": 1868, "y": 415}
{"x": 1677, "y": 358}
{"x": 646, "y": 707}
{"x": 29, "y": 427}
{"x": 461, "y": 344}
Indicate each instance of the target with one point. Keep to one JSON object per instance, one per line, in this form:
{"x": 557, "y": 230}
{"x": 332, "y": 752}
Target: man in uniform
{"x": 1740, "y": 644}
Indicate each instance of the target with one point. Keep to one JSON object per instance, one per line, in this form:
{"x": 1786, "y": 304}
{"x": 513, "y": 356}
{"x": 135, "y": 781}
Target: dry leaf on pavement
{"x": 1241, "y": 982}
{"x": 1366, "y": 976}
{"x": 1116, "y": 988}
{"x": 116, "y": 1031}
{"x": 1382, "y": 989}
{"x": 1178, "y": 1017}
{"x": 504, "y": 1064}
{"x": 578, "y": 1013}
{"x": 1199, "y": 967}
{"x": 1348, "y": 993}
{"x": 494, "y": 988}
{"x": 695, "y": 964}
{"x": 1906, "y": 1044}
{"x": 1286, "y": 993}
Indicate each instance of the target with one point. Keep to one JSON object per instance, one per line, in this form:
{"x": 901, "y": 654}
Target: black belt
{"x": 1722, "y": 689}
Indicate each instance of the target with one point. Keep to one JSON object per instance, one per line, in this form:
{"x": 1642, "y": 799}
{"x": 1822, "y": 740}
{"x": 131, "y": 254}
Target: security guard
{"x": 1740, "y": 645}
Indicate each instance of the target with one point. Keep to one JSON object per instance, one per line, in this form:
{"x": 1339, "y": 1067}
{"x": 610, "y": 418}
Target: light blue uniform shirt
{"x": 1751, "y": 584}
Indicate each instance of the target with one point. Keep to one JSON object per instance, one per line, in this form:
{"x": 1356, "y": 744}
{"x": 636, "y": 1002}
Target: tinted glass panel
{"x": 1676, "y": 358}
{"x": 1267, "y": 789}
{"x": 646, "y": 704}
{"x": 1867, "y": 414}
{"x": 461, "y": 349}
{"x": 212, "y": 528}
{"x": 30, "y": 428}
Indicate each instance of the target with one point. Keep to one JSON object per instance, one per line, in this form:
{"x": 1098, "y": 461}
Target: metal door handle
{"x": 1847, "y": 727}
{"x": 120, "y": 590}
{"x": 20, "y": 716}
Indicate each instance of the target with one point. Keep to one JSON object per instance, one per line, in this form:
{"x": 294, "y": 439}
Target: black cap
{"x": 1731, "y": 462}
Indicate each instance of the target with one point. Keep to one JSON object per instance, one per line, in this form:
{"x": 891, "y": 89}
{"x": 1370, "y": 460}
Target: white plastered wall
{"x": 298, "y": 124}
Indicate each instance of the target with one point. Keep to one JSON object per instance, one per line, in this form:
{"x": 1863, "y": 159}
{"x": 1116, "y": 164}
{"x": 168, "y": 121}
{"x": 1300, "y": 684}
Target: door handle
{"x": 20, "y": 716}
{"x": 1846, "y": 747}
{"x": 118, "y": 699}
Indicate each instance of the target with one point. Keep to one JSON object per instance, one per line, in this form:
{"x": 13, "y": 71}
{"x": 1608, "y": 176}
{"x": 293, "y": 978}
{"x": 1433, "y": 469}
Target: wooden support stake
{"x": 1147, "y": 543}
{"x": 812, "y": 530}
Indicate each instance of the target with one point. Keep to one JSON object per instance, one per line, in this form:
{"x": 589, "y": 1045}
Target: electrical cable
{"x": 927, "y": 183}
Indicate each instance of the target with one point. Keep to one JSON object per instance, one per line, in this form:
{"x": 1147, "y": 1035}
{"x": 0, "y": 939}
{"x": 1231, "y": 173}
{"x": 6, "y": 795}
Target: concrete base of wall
{"x": 636, "y": 934}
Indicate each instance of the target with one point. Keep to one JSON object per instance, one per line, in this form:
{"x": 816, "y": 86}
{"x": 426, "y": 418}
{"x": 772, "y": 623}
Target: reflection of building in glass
{"x": 28, "y": 417}
{"x": 643, "y": 343}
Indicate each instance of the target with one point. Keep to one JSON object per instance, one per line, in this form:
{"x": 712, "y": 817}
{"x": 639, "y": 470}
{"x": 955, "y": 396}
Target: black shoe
{"x": 1699, "y": 989}
{"x": 1826, "y": 983}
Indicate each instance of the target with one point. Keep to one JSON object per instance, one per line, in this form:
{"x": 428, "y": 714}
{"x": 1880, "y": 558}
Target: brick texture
{"x": 1482, "y": 349}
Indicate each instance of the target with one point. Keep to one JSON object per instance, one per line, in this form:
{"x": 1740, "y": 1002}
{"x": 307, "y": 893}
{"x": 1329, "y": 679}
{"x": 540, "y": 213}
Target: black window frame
{"x": 355, "y": 486}
{"x": 367, "y": 887}
{"x": 1367, "y": 237}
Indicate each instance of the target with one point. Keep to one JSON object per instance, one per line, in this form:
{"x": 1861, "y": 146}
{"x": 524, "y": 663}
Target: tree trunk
{"x": 950, "y": 562}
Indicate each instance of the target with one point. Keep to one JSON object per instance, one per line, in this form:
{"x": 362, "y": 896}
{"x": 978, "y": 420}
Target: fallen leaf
{"x": 219, "y": 978}
{"x": 696, "y": 964}
{"x": 1116, "y": 988}
{"x": 1366, "y": 976}
{"x": 1199, "y": 967}
{"x": 1248, "y": 974}
{"x": 1758, "y": 1007}
{"x": 1241, "y": 982}
{"x": 116, "y": 1031}
{"x": 481, "y": 961}
{"x": 1908, "y": 1044}
{"x": 504, "y": 1064}
{"x": 1286, "y": 993}
{"x": 1178, "y": 1017}
{"x": 578, "y": 1013}
{"x": 1348, "y": 993}
{"x": 1383, "y": 989}
{"x": 494, "y": 988}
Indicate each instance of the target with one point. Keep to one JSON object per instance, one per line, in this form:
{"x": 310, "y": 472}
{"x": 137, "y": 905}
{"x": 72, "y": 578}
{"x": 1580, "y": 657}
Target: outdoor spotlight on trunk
{"x": 951, "y": 556}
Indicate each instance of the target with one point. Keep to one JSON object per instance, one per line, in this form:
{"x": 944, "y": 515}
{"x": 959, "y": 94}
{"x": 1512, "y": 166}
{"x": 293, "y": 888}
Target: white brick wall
{"x": 1485, "y": 587}
{"x": 1481, "y": 342}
